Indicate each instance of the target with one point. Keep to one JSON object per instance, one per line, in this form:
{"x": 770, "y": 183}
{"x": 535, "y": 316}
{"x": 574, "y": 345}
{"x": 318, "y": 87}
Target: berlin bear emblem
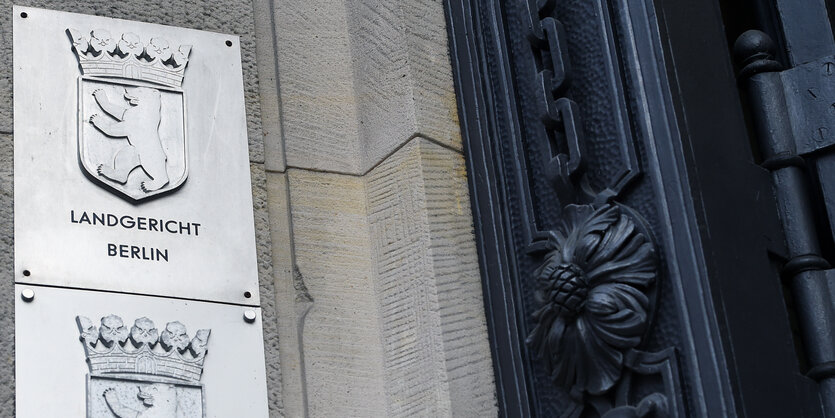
{"x": 132, "y": 124}
{"x": 158, "y": 400}
{"x": 139, "y": 123}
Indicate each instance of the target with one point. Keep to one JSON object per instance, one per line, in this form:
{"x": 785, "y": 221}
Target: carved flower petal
{"x": 633, "y": 264}
{"x": 591, "y": 230}
{"x": 556, "y": 332}
{"x": 549, "y": 328}
{"x": 603, "y": 361}
{"x": 569, "y": 347}
{"x": 619, "y": 230}
{"x": 580, "y": 222}
{"x": 556, "y": 240}
{"x": 576, "y": 216}
{"x": 617, "y": 315}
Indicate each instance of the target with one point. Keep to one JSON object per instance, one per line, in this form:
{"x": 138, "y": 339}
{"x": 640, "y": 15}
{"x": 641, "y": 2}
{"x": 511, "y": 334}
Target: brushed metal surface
{"x": 52, "y": 373}
{"x": 73, "y": 228}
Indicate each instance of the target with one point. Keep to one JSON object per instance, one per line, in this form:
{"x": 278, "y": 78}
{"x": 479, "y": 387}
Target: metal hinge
{"x": 810, "y": 104}
{"x": 793, "y": 112}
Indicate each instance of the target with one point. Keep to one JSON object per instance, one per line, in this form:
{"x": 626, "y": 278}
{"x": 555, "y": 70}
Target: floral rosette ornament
{"x": 594, "y": 296}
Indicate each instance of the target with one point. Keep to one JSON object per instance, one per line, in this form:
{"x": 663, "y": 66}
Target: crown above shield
{"x": 114, "y": 349}
{"x": 156, "y": 61}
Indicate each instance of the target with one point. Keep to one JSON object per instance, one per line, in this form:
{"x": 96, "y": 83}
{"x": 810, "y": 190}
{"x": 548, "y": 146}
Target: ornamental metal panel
{"x": 100, "y": 354}
{"x": 608, "y": 203}
{"x": 131, "y": 159}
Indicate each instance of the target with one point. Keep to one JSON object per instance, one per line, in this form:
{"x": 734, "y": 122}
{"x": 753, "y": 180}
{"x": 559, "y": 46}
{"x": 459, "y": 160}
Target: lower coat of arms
{"x": 141, "y": 372}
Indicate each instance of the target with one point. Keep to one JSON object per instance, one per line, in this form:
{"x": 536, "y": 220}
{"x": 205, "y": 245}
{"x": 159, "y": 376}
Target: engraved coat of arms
{"x": 142, "y": 372}
{"x": 131, "y": 112}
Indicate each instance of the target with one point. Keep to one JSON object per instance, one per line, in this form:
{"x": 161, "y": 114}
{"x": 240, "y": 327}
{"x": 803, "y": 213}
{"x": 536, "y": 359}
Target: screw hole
{"x": 247, "y": 295}
{"x": 228, "y": 43}
{"x": 26, "y": 273}
{"x": 24, "y": 15}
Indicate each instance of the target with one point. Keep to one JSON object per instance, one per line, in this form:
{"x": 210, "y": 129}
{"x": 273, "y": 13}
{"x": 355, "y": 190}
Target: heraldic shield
{"x": 142, "y": 372}
{"x": 131, "y": 112}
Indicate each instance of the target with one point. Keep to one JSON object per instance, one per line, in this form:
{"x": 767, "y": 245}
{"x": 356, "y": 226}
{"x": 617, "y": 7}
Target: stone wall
{"x": 369, "y": 279}
{"x": 379, "y": 215}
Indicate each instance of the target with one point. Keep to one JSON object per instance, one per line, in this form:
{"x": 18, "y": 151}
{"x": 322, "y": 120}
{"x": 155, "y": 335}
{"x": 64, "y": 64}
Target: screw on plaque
{"x": 249, "y": 316}
{"x": 27, "y": 295}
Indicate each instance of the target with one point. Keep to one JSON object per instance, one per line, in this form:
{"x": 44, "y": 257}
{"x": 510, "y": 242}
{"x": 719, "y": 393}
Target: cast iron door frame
{"x": 538, "y": 149}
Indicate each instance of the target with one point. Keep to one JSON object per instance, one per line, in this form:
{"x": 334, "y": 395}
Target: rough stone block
{"x": 383, "y": 77}
{"x": 433, "y": 91}
{"x": 268, "y": 85}
{"x": 403, "y": 81}
{"x": 318, "y": 102}
{"x": 6, "y": 67}
{"x": 267, "y": 291}
{"x": 7, "y": 294}
{"x": 341, "y": 345}
{"x": 359, "y": 78}
{"x": 292, "y": 298}
{"x": 389, "y": 259}
{"x": 437, "y": 356}
{"x": 454, "y": 262}
{"x": 416, "y": 378}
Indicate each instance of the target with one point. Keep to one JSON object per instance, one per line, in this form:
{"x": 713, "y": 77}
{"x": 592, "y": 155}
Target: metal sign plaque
{"x": 102, "y": 355}
{"x": 131, "y": 159}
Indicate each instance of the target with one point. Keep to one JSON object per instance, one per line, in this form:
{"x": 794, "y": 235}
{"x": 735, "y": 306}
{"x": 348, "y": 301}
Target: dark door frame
{"x": 688, "y": 113}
